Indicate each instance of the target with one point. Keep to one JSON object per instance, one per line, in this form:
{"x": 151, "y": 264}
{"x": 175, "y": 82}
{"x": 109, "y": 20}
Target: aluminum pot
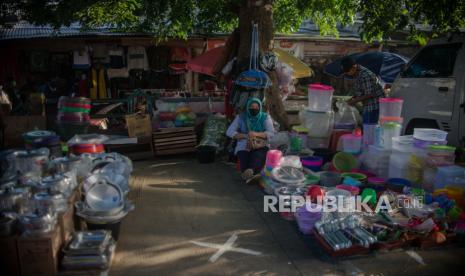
{"x": 66, "y": 164}
{"x": 49, "y": 202}
{"x": 37, "y": 223}
{"x": 7, "y": 226}
{"x": 14, "y": 199}
{"x": 60, "y": 183}
{"x": 32, "y": 160}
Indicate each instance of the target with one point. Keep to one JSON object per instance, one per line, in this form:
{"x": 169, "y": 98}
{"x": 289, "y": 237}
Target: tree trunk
{"x": 260, "y": 12}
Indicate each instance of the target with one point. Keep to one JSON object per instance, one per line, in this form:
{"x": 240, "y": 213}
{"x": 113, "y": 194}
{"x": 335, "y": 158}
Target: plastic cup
{"x": 369, "y": 193}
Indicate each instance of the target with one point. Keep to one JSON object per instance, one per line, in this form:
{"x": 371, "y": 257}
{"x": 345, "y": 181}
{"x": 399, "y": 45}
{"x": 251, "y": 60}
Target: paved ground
{"x": 186, "y": 212}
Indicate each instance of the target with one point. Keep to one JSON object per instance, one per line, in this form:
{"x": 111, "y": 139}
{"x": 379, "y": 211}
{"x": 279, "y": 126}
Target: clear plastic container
{"x": 320, "y": 97}
{"x": 389, "y": 131}
{"x": 351, "y": 143}
{"x": 447, "y": 174}
{"x": 319, "y": 124}
{"x": 369, "y": 134}
{"x": 390, "y": 107}
{"x": 440, "y": 156}
{"x": 376, "y": 160}
{"x": 429, "y": 134}
{"x": 403, "y": 143}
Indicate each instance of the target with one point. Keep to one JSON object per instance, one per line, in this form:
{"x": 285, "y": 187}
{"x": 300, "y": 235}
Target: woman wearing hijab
{"x": 251, "y": 125}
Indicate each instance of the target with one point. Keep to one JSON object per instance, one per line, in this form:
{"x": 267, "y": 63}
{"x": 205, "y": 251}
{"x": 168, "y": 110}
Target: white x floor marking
{"x": 227, "y": 246}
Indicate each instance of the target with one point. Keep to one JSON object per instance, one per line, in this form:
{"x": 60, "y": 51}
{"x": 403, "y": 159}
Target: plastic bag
{"x": 214, "y": 131}
{"x": 346, "y": 115}
{"x": 285, "y": 79}
{"x": 280, "y": 140}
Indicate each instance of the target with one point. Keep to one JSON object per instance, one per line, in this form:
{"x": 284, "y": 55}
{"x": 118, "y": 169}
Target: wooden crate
{"x": 174, "y": 140}
{"x": 66, "y": 223}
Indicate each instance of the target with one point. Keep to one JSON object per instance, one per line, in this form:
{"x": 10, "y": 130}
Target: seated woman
{"x": 250, "y": 126}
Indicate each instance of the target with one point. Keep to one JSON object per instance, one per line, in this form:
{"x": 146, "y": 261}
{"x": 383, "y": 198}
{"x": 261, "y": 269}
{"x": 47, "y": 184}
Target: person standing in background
{"x": 368, "y": 89}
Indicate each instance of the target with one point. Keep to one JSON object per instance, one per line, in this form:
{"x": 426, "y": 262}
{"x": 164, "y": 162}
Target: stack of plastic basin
{"x": 390, "y": 108}
{"x": 73, "y": 116}
{"x": 320, "y": 97}
{"x": 351, "y": 143}
{"x": 313, "y": 163}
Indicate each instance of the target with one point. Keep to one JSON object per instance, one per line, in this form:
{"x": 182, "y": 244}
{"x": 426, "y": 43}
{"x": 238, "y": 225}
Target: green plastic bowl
{"x": 311, "y": 179}
{"x": 357, "y": 176}
{"x": 345, "y": 162}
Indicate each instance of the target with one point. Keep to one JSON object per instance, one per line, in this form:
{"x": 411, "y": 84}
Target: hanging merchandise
{"x": 102, "y": 87}
{"x": 94, "y": 88}
{"x": 137, "y": 58}
{"x": 83, "y": 86}
{"x": 254, "y": 78}
{"x": 81, "y": 58}
{"x": 100, "y": 54}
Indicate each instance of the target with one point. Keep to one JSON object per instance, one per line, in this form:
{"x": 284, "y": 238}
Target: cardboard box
{"x": 9, "y": 261}
{"x": 17, "y": 125}
{"x": 39, "y": 255}
{"x": 66, "y": 223}
{"x": 139, "y": 125}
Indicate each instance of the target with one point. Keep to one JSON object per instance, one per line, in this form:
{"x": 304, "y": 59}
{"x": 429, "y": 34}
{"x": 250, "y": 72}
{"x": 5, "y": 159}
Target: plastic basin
{"x": 345, "y": 162}
{"x": 330, "y": 179}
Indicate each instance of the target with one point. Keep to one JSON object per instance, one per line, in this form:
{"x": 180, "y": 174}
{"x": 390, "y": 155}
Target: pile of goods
{"x": 89, "y": 250}
{"x": 73, "y": 116}
{"x": 416, "y": 176}
{"x": 40, "y": 194}
{"x": 179, "y": 116}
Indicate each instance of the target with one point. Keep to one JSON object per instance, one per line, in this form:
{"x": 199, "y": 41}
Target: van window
{"x": 436, "y": 61}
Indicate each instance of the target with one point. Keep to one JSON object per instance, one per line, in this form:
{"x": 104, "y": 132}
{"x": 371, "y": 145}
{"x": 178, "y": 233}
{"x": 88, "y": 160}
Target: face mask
{"x": 253, "y": 112}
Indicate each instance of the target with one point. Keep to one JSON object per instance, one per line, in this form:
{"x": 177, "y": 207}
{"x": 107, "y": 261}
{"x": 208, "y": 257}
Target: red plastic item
{"x": 314, "y": 192}
{"x": 87, "y": 148}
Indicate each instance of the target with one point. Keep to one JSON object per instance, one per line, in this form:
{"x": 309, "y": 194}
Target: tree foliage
{"x": 180, "y": 18}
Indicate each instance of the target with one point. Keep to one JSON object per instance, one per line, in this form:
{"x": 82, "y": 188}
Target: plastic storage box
{"x": 390, "y": 107}
{"x": 447, "y": 175}
{"x": 351, "y": 143}
{"x": 320, "y": 97}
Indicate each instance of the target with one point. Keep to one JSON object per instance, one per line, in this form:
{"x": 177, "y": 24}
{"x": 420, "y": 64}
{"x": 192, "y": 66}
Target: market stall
{"x": 389, "y": 191}
{"x": 61, "y": 214}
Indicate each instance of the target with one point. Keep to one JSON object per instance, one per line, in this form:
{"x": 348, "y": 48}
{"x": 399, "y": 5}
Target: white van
{"x": 433, "y": 88}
